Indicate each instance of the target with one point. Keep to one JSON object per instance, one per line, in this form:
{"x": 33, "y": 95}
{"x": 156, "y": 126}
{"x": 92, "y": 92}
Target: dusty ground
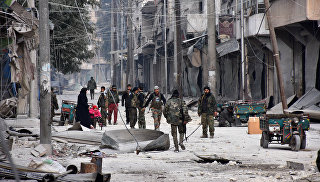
{"x": 253, "y": 162}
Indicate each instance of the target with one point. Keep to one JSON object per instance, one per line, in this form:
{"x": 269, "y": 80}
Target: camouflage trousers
{"x": 174, "y": 129}
{"x": 104, "y": 115}
{"x": 141, "y": 119}
{"x": 132, "y": 116}
{"x": 156, "y": 114}
{"x": 207, "y": 120}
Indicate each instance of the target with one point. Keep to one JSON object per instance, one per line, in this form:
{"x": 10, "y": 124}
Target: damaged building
{"x": 19, "y": 41}
{"x": 296, "y": 25}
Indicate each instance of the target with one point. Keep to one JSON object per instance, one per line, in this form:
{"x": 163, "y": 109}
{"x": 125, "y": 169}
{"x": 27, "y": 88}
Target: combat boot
{"x": 181, "y": 142}
{"x": 109, "y": 122}
{"x": 204, "y": 136}
{"x": 211, "y": 135}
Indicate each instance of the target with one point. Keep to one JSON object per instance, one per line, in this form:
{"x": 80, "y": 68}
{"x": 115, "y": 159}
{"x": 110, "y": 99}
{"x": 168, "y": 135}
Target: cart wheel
{"x": 295, "y": 142}
{"x": 264, "y": 141}
{"x": 303, "y": 140}
{"x": 62, "y": 118}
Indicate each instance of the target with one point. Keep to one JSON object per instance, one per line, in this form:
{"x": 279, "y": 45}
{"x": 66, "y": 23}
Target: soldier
{"x": 102, "y": 104}
{"x": 127, "y": 104}
{"x": 91, "y": 86}
{"x": 156, "y": 106}
{"x": 113, "y": 100}
{"x": 207, "y": 109}
{"x": 141, "y": 109}
{"x": 176, "y": 113}
{"x": 133, "y": 108}
{"x": 54, "y": 104}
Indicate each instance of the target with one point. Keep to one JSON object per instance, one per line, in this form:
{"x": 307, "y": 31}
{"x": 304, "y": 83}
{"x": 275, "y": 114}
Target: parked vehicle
{"x": 284, "y": 129}
{"x": 244, "y": 110}
{"x": 68, "y": 110}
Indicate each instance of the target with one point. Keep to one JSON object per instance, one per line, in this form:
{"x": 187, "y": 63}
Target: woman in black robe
{"x": 82, "y": 112}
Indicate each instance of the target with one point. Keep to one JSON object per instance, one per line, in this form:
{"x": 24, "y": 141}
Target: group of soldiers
{"x": 175, "y": 110}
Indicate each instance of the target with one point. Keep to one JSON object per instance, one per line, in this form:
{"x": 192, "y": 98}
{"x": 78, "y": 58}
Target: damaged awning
{"x": 309, "y": 104}
{"x": 227, "y": 47}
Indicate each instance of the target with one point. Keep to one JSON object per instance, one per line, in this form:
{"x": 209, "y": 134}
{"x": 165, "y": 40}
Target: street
{"x": 244, "y": 159}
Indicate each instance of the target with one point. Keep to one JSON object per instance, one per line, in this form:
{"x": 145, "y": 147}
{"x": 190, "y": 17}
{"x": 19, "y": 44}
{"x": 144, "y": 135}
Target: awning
{"x": 227, "y": 47}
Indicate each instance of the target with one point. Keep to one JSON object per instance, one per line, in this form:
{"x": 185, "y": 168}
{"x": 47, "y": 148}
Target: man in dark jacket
{"x": 125, "y": 101}
{"x": 103, "y": 105}
{"x": 207, "y": 109}
{"x": 91, "y": 86}
{"x": 157, "y": 101}
{"x": 54, "y": 104}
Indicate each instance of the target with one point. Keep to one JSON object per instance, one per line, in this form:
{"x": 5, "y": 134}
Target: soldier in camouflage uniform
{"x": 113, "y": 100}
{"x": 156, "y": 106}
{"x": 207, "y": 109}
{"x": 176, "y": 113}
{"x": 102, "y": 104}
{"x": 133, "y": 108}
{"x": 141, "y": 109}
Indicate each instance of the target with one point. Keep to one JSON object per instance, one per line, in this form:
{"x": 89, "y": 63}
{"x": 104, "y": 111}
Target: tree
{"x": 104, "y": 27}
{"x": 72, "y": 41}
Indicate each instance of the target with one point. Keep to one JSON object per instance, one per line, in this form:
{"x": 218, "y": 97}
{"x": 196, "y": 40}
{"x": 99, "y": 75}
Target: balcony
{"x": 286, "y": 12}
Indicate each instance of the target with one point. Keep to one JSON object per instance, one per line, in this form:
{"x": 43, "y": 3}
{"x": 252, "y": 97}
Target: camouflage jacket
{"x": 173, "y": 113}
{"x": 207, "y": 104}
{"x": 134, "y": 100}
{"x": 115, "y": 96}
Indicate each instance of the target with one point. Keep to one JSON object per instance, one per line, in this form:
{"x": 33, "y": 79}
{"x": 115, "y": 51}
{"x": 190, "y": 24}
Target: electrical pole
{"x": 179, "y": 48}
{"x": 243, "y": 79}
{"x": 276, "y": 55}
{"x": 212, "y": 59}
{"x": 45, "y": 86}
{"x": 33, "y": 99}
{"x": 165, "y": 49}
{"x": 130, "y": 43}
{"x": 123, "y": 87}
{"x": 112, "y": 46}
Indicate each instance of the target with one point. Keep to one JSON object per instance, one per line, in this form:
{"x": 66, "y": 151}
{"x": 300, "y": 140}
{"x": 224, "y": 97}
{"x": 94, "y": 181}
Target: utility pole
{"x": 33, "y": 99}
{"x": 123, "y": 84}
{"x": 243, "y": 78}
{"x": 179, "y": 49}
{"x": 165, "y": 49}
{"x": 130, "y": 44}
{"x": 112, "y": 46}
{"x": 45, "y": 85}
{"x": 276, "y": 55}
{"x": 212, "y": 82}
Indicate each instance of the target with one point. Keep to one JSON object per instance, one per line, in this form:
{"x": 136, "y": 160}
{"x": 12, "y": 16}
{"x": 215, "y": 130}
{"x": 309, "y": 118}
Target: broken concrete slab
{"x": 161, "y": 143}
{"x": 41, "y": 150}
{"x": 122, "y": 140}
{"x": 35, "y": 153}
{"x": 295, "y": 165}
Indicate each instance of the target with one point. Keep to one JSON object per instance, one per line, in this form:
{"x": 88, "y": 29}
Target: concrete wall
{"x": 312, "y": 57}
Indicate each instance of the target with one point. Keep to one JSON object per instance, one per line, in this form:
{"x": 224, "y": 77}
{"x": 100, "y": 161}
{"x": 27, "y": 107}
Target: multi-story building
{"x": 297, "y": 29}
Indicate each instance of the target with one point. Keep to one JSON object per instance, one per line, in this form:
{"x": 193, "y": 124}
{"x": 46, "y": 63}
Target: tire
{"x": 303, "y": 140}
{"x": 295, "y": 143}
{"x": 264, "y": 141}
{"x": 62, "y": 118}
